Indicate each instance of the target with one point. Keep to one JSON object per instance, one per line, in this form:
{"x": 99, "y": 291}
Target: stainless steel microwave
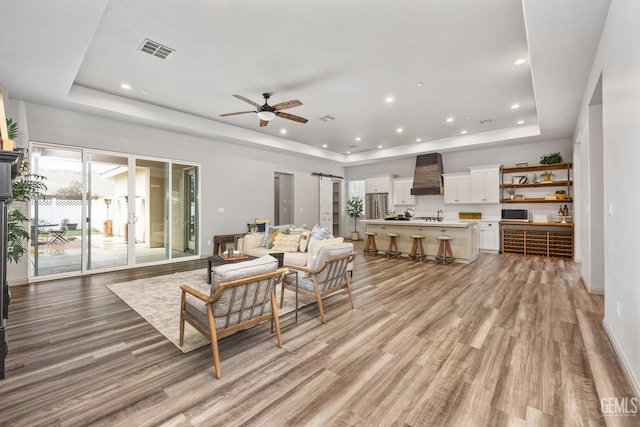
{"x": 515, "y": 215}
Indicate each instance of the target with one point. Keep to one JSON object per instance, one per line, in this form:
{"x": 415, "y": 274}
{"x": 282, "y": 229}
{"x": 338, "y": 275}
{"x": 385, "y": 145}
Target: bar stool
{"x": 370, "y": 247}
{"x": 445, "y": 254}
{"x": 393, "y": 244}
{"x": 417, "y": 248}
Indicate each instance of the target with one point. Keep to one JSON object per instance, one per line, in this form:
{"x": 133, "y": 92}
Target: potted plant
{"x": 546, "y": 176}
{"x": 26, "y": 187}
{"x": 549, "y": 159}
{"x": 355, "y": 207}
{"x": 561, "y": 194}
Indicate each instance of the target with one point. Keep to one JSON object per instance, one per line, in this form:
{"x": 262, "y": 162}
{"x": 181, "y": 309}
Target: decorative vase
{"x": 561, "y": 196}
{"x": 355, "y": 235}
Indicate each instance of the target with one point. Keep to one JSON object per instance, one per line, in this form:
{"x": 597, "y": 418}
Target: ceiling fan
{"x": 268, "y": 112}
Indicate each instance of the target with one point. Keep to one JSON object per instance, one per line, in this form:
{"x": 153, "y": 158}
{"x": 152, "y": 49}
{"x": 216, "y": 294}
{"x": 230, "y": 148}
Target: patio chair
{"x": 242, "y": 295}
{"x": 327, "y": 276}
{"x": 59, "y": 233}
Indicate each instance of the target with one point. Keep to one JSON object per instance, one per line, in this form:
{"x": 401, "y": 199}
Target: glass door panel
{"x": 107, "y": 213}
{"x": 151, "y": 211}
{"x": 56, "y": 222}
{"x": 184, "y": 210}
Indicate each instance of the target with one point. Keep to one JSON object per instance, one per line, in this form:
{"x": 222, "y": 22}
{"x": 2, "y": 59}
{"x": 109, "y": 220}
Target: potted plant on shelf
{"x": 561, "y": 194}
{"x": 354, "y": 210}
{"x": 546, "y": 176}
{"x": 549, "y": 159}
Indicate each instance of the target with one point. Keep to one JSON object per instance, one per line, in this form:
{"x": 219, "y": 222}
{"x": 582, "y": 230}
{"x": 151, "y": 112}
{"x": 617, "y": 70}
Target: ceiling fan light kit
{"x": 266, "y": 115}
{"x": 268, "y": 112}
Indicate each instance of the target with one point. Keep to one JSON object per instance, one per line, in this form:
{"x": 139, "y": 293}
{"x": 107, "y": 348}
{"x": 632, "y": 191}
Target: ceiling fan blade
{"x": 242, "y": 98}
{"x": 263, "y": 123}
{"x": 291, "y": 117}
{"x": 235, "y": 114}
{"x": 287, "y": 104}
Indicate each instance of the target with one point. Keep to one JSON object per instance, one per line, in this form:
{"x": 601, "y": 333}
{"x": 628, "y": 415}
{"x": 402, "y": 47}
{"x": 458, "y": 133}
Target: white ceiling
{"x": 339, "y": 58}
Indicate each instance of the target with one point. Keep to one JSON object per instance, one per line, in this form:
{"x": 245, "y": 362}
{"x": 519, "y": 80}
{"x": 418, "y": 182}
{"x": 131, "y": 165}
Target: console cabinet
{"x": 554, "y": 241}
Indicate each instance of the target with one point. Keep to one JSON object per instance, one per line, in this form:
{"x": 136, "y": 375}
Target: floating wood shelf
{"x": 540, "y": 184}
{"x": 536, "y": 168}
{"x": 537, "y": 200}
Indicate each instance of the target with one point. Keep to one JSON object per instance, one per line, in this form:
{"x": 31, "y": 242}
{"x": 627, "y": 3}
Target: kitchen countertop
{"x": 420, "y": 222}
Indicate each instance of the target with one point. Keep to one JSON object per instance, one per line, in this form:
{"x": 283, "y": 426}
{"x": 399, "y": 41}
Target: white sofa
{"x": 250, "y": 243}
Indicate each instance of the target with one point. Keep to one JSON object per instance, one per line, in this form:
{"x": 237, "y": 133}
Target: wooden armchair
{"x": 242, "y": 295}
{"x": 327, "y": 276}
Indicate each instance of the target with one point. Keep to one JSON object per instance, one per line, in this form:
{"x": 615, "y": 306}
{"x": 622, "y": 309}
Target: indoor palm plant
{"x": 355, "y": 207}
{"x": 26, "y": 187}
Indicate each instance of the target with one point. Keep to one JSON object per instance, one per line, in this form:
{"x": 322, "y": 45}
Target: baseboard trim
{"x": 623, "y": 361}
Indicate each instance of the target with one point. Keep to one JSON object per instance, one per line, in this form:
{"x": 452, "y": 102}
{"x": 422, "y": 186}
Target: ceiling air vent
{"x": 156, "y": 49}
{"x": 326, "y": 118}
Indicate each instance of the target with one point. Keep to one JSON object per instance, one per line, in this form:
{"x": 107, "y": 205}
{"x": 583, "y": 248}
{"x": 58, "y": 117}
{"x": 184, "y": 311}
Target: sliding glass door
{"x": 107, "y": 210}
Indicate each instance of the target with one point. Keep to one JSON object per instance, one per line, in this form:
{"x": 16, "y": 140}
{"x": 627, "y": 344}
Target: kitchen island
{"x": 464, "y": 244}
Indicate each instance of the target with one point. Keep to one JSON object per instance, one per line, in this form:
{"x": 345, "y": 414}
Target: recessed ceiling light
{"x": 468, "y": 118}
{"x": 125, "y": 86}
{"x": 388, "y": 99}
{"x": 283, "y": 131}
{"x": 449, "y": 119}
{"x": 379, "y": 146}
{"x": 519, "y": 61}
{"x": 144, "y": 92}
{"x": 418, "y": 139}
{"x": 514, "y": 106}
{"x": 520, "y": 122}
{"x": 348, "y": 152}
{"x": 324, "y": 145}
{"x": 358, "y": 138}
{"x": 464, "y": 132}
{"x": 419, "y": 84}
{"x": 399, "y": 130}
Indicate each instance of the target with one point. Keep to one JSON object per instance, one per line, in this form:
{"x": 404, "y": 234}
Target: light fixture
{"x": 514, "y": 106}
{"x": 358, "y": 138}
{"x": 449, "y": 119}
{"x": 519, "y": 61}
{"x": 283, "y": 131}
{"x": 464, "y": 132}
{"x": 388, "y": 99}
{"x": 418, "y": 139}
{"x": 379, "y": 146}
{"x": 266, "y": 115}
{"x": 419, "y": 84}
{"x": 520, "y": 122}
{"x": 348, "y": 152}
{"x": 125, "y": 86}
{"x": 399, "y": 130}
{"x": 324, "y": 145}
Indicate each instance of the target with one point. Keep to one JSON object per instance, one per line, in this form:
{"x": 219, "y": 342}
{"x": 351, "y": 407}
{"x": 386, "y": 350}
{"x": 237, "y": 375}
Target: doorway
{"x": 283, "y": 198}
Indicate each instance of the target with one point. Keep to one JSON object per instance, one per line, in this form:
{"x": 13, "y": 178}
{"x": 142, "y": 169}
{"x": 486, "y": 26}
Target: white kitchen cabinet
{"x": 457, "y": 188}
{"x": 485, "y": 184}
{"x": 490, "y": 237}
{"x": 402, "y": 192}
{"x": 377, "y": 185}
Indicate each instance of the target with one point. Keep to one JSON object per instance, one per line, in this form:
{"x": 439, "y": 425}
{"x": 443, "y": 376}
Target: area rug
{"x": 157, "y": 300}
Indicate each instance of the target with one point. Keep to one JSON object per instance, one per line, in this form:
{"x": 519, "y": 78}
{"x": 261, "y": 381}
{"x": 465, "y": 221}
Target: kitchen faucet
{"x": 439, "y": 218}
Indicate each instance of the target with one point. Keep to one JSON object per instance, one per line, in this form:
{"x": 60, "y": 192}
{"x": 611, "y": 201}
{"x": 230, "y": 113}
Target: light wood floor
{"x": 507, "y": 340}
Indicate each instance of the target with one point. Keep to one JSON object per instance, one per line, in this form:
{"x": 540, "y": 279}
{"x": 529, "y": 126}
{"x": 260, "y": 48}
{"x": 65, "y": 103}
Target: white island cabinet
{"x": 464, "y": 243}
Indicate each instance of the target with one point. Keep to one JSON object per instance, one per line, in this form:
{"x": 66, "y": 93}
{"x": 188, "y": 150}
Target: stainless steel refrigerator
{"x": 376, "y": 205}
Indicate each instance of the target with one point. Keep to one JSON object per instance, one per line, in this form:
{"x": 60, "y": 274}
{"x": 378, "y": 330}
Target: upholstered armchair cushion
{"x": 324, "y": 253}
{"x": 227, "y": 273}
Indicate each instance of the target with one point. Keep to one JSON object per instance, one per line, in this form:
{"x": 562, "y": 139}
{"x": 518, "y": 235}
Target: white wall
{"x": 618, "y": 62}
{"x": 234, "y": 177}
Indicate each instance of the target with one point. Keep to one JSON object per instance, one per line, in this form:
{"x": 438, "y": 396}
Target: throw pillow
{"x": 319, "y": 233}
{"x": 304, "y": 239}
{"x": 286, "y": 242}
{"x": 270, "y": 234}
{"x": 262, "y": 224}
